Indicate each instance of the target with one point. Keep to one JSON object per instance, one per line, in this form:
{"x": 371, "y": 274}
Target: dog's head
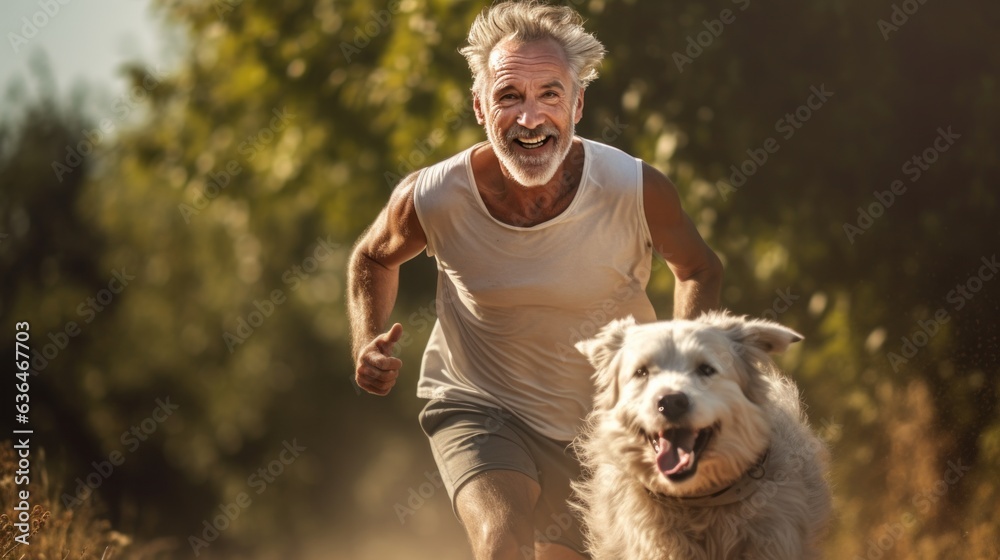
{"x": 680, "y": 402}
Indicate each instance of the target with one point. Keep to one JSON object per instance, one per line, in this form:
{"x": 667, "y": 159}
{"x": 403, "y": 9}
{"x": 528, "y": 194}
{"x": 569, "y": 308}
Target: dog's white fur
{"x": 632, "y": 511}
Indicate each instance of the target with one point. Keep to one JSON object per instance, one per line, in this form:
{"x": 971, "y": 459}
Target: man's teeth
{"x": 532, "y": 142}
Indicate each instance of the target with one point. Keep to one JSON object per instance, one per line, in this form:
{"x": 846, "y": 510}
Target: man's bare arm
{"x": 373, "y": 281}
{"x": 697, "y": 268}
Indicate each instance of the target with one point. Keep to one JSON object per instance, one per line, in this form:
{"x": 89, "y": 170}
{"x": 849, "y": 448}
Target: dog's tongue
{"x": 676, "y": 450}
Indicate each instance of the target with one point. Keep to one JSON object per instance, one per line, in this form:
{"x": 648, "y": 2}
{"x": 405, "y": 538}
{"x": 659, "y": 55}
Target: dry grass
{"x": 58, "y": 533}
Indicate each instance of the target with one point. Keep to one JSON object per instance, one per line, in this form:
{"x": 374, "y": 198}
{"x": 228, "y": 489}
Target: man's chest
{"x": 514, "y": 269}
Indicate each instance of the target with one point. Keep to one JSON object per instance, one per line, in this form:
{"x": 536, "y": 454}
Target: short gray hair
{"x": 530, "y": 21}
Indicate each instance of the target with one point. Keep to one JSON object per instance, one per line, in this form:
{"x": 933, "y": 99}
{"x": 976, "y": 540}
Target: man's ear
{"x": 601, "y": 351}
{"x": 579, "y": 107}
{"x": 477, "y": 107}
{"x": 755, "y": 333}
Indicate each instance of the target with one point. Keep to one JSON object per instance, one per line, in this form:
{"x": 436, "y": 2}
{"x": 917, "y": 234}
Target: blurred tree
{"x": 263, "y": 156}
{"x": 50, "y": 254}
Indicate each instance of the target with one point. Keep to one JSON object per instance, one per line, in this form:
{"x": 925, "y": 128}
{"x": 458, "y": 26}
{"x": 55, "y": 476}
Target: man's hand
{"x": 377, "y": 368}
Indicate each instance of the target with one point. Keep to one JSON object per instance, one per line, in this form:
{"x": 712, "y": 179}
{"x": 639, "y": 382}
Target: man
{"x": 541, "y": 238}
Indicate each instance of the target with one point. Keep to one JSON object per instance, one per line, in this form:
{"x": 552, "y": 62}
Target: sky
{"x": 85, "y": 43}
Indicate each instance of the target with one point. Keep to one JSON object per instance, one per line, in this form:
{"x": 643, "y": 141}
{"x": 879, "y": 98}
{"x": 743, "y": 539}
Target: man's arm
{"x": 373, "y": 280}
{"x": 697, "y": 268}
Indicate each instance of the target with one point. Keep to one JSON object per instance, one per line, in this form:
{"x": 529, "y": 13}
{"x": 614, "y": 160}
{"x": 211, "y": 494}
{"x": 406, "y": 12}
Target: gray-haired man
{"x": 541, "y": 237}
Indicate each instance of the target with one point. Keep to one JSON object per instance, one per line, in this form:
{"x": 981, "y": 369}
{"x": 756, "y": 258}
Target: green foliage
{"x": 276, "y": 142}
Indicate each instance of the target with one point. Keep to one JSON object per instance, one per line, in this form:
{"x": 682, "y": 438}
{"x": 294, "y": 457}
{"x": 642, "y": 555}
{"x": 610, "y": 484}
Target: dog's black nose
{"x": 674, "y": 405}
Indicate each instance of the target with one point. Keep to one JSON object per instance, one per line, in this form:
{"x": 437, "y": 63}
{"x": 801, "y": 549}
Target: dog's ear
{"x": 603, "y": 347}
{"x": 755, "y": 333}
{"x": 601, "y": 352}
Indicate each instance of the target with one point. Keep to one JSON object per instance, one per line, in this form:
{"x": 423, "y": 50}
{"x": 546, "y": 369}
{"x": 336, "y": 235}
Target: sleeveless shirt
{"x": 512, "y": 301}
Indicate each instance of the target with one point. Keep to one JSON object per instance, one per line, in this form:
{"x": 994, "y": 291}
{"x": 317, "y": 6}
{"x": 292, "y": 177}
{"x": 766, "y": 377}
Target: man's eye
{"x": 706, "y": 370}
{"x": 641, "y": 372}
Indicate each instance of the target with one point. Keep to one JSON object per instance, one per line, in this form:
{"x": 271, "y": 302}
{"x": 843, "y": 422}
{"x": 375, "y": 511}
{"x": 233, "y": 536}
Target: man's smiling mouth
{"x": 533, "y": 142}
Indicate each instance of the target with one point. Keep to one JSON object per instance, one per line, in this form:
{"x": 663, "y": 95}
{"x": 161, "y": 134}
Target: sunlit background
{"x": 181, "y": 183}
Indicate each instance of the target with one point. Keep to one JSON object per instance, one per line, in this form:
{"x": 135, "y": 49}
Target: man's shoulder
{"x": 612, "y": 167}
{"x": 437, "y": 174}
{"x": 600, "y": 149}
{"x": 443, "y": 186}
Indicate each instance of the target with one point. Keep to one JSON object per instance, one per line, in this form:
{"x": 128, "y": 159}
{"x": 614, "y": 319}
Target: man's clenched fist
{"x": 377, "y": 369}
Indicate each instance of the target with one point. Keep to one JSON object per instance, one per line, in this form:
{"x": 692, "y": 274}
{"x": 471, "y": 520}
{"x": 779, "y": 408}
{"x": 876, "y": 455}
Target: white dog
{"x": 697, "y": 447}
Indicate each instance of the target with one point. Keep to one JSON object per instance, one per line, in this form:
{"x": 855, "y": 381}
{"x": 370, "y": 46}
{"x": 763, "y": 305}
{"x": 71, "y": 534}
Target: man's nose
{"x": 531, "y": 117}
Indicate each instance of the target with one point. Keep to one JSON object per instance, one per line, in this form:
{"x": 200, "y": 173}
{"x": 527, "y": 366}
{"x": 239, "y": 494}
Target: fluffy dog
{"x": 697, "y": 447}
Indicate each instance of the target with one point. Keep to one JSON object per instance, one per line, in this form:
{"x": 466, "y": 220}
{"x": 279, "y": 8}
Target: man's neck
{"x": 515, "y": 204}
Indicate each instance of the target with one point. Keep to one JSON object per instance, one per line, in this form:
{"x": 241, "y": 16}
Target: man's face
{"x": 530, "y": 109}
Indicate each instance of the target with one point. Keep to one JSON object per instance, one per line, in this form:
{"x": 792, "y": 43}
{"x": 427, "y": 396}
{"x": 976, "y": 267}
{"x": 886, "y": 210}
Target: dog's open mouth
{"x": 678, "y": 450}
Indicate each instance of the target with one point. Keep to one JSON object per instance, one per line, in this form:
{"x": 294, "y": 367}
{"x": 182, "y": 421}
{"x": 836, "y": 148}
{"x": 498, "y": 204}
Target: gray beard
{"x": 539, "y": 170}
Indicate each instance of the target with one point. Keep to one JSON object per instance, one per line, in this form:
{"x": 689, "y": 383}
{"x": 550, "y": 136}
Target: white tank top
{"x": 512, "y": 301}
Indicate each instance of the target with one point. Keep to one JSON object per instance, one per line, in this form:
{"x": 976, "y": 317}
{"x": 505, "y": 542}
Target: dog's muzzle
{"x": 678, "y": 450}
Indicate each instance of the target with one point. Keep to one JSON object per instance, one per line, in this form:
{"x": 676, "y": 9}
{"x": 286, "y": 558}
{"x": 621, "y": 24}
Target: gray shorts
{"x": 468, "y": 439}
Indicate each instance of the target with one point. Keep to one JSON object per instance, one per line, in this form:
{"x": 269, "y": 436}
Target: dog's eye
{"x": 641, "y": 372}
{"x": 706, "y": 370}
